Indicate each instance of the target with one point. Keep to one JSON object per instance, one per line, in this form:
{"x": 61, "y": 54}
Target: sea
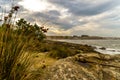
{"x": 105, "y": 46}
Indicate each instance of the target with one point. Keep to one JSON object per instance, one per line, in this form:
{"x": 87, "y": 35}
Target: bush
{"x": 60, "y": 52}
{"x": 27, "y": 29}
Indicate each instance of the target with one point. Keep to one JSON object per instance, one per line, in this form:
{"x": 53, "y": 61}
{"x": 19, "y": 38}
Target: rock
{"x": 92, "y": 66}
{"x": 103, "y": 48}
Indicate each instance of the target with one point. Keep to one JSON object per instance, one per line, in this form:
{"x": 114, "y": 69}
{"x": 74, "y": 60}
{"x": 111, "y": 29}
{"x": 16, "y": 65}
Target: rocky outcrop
{"x": 92, "y": 66}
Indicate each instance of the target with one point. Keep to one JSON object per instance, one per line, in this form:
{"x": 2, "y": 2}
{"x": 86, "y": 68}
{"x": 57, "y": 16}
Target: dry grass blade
{"x": 14, "y": 61}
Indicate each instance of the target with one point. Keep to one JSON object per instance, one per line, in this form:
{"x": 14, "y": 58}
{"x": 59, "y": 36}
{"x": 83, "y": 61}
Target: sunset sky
{"x": 71, "y": 17}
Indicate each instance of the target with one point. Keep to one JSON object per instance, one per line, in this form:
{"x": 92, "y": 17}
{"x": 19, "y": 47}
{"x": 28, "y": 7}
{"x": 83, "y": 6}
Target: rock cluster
{"x": 89, "y": 66}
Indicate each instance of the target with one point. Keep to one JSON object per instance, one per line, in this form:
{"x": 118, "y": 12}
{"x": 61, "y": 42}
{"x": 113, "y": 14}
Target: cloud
{"x": 58, "y": 31}
{"x": 87, "y": 7}
{"x": 37, "y": 5}
{"x": 89, "y": 26}
{"x": 69, "y": 17}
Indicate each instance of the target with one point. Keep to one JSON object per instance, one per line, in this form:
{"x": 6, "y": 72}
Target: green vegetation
{"x": 15, "y": 62}
{"x": 25, "y": 28}
{"x": 59, "y": 50}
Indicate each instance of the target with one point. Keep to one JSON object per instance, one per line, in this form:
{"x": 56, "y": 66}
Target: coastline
{"x": 87, "y": 63}
{"x": 103, "y": 46}
{"x": 62, "y": 49}
{"x": 84, "y": 47}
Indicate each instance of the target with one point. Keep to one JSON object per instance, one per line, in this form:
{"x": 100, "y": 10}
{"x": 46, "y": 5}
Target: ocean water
{"x": 112, "y": 46}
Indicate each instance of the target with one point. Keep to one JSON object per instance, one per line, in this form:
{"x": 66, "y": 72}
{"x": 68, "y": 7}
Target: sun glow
{"x": 35, "y": 5}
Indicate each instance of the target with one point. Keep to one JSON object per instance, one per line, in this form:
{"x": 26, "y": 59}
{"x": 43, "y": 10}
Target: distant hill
{"x": 80, "y": 37}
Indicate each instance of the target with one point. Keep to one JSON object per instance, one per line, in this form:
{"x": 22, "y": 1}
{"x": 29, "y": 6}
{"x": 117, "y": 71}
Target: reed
{"x": 14, "y": 61}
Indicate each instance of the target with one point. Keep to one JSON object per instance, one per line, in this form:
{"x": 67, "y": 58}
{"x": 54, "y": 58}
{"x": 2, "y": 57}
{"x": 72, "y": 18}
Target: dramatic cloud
{"x": 86, "y": 7}
{"x": 71, "y": 17}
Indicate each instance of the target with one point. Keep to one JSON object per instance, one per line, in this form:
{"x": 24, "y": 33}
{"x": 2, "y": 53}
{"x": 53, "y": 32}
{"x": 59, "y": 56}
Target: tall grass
{"x": 14, "y": 61}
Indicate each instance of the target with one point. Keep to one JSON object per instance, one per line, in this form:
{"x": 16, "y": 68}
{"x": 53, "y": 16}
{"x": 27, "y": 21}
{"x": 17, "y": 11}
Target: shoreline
{"x": 85, "y": 58}
{"x": 88, "y": 63}
{"x": 100, "y": 49}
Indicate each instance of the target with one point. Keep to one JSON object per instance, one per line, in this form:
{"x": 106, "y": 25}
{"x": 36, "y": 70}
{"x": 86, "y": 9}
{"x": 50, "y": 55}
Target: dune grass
{"x": 14, "y": 61}
{"x": 42, "y": 60}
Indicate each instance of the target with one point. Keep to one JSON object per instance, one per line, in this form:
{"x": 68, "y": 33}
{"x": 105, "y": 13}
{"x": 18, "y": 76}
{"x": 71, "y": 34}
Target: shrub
{"x": 60, "y": 52}
{"x": 27, "y": 29}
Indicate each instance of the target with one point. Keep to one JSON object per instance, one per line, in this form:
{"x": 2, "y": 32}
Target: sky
{"x": 71, "y": 17}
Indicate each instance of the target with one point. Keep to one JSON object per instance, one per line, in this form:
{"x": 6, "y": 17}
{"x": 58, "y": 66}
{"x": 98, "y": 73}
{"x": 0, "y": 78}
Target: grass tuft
{"x": 14, "y": 61}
